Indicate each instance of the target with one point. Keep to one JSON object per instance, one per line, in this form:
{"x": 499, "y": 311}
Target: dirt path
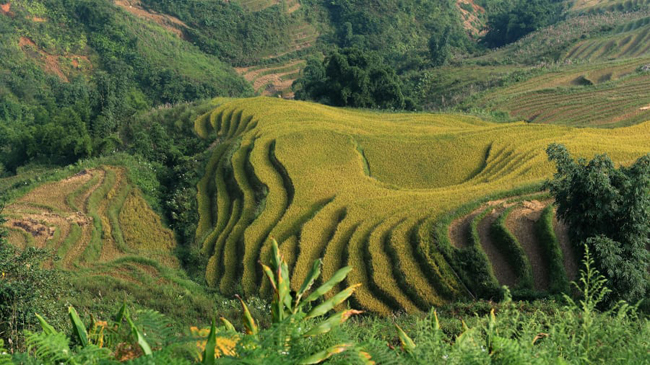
{"x": 521, "y": 223}
{"x": 502, "y": 270}
{"x": 570, "y": 259}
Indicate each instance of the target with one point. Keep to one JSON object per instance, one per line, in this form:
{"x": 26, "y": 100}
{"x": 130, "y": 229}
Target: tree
{"x": 608, "y": 209}
{"x": 516, "y": 19}
{"x": 439, "y": 49}
{"x": 352, "y": 78}
{"x": 65, "y": 139}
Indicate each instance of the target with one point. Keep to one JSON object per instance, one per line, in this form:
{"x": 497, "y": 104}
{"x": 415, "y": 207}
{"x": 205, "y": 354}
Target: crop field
{"x": 630, "y": 40}
{"x": 594, "y": 6}
{"x": 94, "y": 219}
{"x": 383, "y": 193}
{"x": 605, "y": 94}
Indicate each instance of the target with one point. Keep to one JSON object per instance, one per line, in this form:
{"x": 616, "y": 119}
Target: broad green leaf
{"x": 276, "y": 260}
{"x": 144, "y": 345}
{"x": 284, "y": 286}
{"x": 226, "y": 323}
{"x": 338, "y": 277}
{"x": 311, "y": 277}
{"x": 333, "y": 321}
{"x": 407, "y": 343}
{"x": 47, "y": 328}
{"x": 78, "y": 327}
{"x": 119, "y": 317}
{"x": 210, "y": 346}
{"x": 247, "y": 318}
{"x": 269, "y": 274}
{"x": 329, "y": 304}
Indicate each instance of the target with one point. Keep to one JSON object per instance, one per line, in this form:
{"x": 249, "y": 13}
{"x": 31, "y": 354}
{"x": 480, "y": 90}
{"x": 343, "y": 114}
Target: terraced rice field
{"x": 632, "y": 40}
{"x": 372, "y": 190}
{"x": 594, "y": 6}
{"x": 94, "y": 222}
{"x": 607, "y": 94}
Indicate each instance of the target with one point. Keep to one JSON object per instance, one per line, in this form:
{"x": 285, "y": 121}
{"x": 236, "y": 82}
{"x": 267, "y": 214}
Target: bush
{"x": 608, "y": 209}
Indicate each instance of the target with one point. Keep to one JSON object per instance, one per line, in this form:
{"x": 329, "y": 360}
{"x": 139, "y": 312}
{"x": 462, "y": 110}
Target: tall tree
{"x": 608, "y": 209}
{"x": 353, "y": 78}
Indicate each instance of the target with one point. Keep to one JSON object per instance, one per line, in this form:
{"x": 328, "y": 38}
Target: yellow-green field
{"x": 608, "y": 94}
{"x": 364, "y": 188}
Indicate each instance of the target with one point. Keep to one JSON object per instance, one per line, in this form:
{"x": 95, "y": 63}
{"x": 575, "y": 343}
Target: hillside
{"x": 367, "y": 189}
{"x": 588, "y": 70}
{"x": 102, "y": 233}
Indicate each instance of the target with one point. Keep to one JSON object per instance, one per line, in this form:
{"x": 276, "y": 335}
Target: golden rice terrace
{"x": 371, "y": 189}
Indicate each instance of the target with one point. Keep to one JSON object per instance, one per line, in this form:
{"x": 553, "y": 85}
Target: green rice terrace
{"x": 404, "y": 199}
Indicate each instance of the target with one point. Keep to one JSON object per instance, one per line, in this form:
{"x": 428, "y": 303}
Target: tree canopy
{"x": 515, "y": 19}
{"x": 608, "y": 209}
{"x": 354, "y": 78}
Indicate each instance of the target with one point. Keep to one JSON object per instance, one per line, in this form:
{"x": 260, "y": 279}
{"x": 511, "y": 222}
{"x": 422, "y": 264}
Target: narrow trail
{"x": 521, "y": 223}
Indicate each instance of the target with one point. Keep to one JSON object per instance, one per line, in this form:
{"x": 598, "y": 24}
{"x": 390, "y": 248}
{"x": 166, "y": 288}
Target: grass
{"x": 558, "y": 280}
{"x": 365, "y": 188}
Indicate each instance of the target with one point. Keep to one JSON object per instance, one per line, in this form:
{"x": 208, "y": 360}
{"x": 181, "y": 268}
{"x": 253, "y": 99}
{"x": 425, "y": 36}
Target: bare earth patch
{"x": 502, "y": 270}
{"x": 459, "y": 229}
{"x": 471, "y": 22}
{"x": 5, "y": 9}
{"x": 521, "y": 223}
{"x": 168, "y": 22}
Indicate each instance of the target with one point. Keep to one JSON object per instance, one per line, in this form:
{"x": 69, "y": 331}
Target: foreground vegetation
{"x": 576, "y": 332}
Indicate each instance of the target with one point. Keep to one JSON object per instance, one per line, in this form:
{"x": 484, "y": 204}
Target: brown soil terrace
{"x": 521, "y": 223}
{"x": 168, "y": 22}
{"x": 502, "y": 269}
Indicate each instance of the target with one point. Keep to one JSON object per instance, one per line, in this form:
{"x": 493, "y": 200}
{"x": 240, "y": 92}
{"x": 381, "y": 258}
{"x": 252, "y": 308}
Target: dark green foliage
{"x": 352, "y": 78}
{"x": 512, "y": 250}
{"x": 439, "y": 47}
{"x": 129, "y": 66}
{"x": 395, "y": 29}
{"x": 608, "y": 209}
{"x": 226, "y": 30}
{"x": 516, "y": 18}
{"x": 558, "y": 281}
